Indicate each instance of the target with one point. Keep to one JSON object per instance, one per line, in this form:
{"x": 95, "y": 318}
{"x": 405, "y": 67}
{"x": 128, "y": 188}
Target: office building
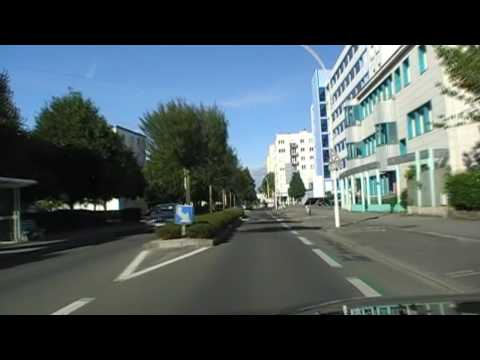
{"x": 389, "y": 139}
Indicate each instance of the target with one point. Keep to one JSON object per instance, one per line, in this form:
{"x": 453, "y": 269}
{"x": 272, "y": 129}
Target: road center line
{"x": 155, "y": 267}
{"x": 133, "y": 266}
{"x": 305, "y": 240}
{"x": 327, "y": 258}
{"x": 464, "y": 275}
{"x": 73, "y": 306}
{"x": 459, "y": 272}
{"x": 363, "y": 288}
{"x": 294, "y": 232}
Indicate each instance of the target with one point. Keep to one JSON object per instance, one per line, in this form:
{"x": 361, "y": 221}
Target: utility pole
{"x": 230, "y": 196}
{"x": 334, "y": 165}
{"x": 224, "y": 200}
{"x": 210, "y": 196}
{"x": 186, "y": 179}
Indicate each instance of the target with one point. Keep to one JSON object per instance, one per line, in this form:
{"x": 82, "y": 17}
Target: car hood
{"x": 461, "y": 304}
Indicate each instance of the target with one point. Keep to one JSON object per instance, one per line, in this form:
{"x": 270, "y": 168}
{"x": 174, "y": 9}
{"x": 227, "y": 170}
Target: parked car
{"x": 161, "y": 214}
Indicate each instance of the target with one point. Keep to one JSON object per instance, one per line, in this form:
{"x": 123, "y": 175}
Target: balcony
{"x": 383, "y": 111}
{"x": 384, "y": 152}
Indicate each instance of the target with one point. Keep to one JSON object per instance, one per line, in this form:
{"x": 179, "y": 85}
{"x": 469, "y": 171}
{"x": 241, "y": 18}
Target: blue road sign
{"x": 184, "y": 214}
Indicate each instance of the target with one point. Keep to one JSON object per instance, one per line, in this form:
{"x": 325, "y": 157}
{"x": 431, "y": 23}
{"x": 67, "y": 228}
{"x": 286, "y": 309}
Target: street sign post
{"x": 184, "y": 215}
{"x": 334, "y": 166}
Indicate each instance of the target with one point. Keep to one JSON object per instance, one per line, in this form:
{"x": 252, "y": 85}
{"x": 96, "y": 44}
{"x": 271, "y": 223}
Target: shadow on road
{"x": 49, "y": 251}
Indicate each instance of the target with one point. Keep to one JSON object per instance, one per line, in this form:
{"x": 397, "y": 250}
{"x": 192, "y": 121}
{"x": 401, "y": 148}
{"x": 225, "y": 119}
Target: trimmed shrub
{"x": 404, "y": 198}
{"x": 206, "y": 225}
{"x": 464, "y": 190}
{"x": 390, "y": 200}
{"x": 169, "y": 231}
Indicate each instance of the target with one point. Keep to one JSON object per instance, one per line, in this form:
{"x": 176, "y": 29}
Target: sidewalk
{"x": 466, "y": 230}
{"x": 82, "y": 237}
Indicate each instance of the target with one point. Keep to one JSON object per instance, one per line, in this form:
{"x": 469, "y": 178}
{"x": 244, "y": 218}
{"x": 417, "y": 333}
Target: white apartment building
{"x": 389, "y": 131}
{"x": 292, "y": 152}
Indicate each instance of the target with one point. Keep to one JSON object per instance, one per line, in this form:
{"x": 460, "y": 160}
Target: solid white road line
{"x": 294, "y": 232}
{"x": 155, "y": 267}
{"x": 132, "y": 266}
{"x": 363, "y": 288}
{"x": 73, "y": 306}
{"x": 465, "y": 275}
{"x": 459, "y": 272}
{"x": 305, "y": 241}
{"x": 327, "y": 258}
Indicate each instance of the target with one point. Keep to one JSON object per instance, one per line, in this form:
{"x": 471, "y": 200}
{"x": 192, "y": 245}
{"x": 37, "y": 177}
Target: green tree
{"x": 268, "y": 185}
{"x": 462, "y": 64}
{"x": 9, "y": 113}
{"x": 296, "y": 189}
{"x": 96, "y": 165}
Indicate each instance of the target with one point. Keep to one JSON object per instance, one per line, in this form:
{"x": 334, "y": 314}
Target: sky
{"x": 262, "y": 89}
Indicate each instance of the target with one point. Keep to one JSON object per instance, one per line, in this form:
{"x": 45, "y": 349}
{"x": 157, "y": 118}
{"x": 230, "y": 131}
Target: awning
{"x": 14, "y": 183}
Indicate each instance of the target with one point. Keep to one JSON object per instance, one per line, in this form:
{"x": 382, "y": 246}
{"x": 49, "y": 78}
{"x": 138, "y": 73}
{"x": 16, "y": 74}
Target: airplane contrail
{"x": 315, "y": 55}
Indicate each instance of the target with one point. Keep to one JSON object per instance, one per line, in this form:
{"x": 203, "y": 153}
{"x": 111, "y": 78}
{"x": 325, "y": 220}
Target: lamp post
{"x": 334, "y": 165}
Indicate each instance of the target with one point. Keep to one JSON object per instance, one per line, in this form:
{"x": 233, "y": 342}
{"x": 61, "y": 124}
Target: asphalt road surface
{"x": 268, "y": 266}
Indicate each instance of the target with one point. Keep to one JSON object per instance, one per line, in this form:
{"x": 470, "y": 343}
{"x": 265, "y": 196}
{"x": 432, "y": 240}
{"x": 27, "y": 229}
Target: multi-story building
{"x": 389, "y": 139}
{"x": 319, "y": 126}
{"x": 290, "y": 153}
{"x": 354, "y": 67}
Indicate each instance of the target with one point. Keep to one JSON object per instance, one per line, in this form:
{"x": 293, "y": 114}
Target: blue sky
{"x": 262, "y": 89}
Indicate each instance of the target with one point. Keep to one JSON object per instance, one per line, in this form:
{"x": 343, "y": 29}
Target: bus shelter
{"x": 10, "y": 208}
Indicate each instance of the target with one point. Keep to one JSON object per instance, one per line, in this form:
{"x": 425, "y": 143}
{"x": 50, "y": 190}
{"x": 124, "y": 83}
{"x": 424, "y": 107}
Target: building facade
{"x": 319, "y": 125}
{"x": 290, "y": 153}
{"x": 390, "y": 144}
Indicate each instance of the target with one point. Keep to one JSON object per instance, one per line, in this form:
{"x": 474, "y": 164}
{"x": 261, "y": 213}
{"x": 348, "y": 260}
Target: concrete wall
{"x": 461, "y": 140}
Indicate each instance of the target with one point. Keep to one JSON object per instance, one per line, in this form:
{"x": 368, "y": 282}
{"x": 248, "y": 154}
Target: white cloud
{"x": 90, "y": 74}
{"x": 253, "y": 98}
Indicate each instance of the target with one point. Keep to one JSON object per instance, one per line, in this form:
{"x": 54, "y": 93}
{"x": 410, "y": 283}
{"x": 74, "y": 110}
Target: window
{"x": 303, "y": 157}
{"x": 281, "y": 150}
{"x": 324, "y": 124}
{"x": 403, "y": 147}
{"x": 406, "y": 72}
{"x": 419, "y": 121}
{"x": 398, "y": 81}
{"x": 321, "y": 94}
{"x": 301, "y": 141}
{"x": 304, "y": 167}
{"x": 325, "y": 140}
{"x": 311, "y": 149}
{"x": 326, "y": 156}
{"x": 302, "y": 149}
{"x": 323, "y": 110}
{"x": 326, "y": 172}
{"x": 422, "y": 58}
{"x": 311, "y": 157}
{"x": 312, "y": 166}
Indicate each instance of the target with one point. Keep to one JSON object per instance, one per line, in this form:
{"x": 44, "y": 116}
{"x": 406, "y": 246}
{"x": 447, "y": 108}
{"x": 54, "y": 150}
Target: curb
{"x": 177, "y": 243}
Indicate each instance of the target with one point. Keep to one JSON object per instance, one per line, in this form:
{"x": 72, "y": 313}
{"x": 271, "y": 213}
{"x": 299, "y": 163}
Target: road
{"x": 267, "y": 266}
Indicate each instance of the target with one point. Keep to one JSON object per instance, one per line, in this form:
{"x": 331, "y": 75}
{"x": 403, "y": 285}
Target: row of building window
{"x": 348, "y": 79}
{"x": 353, "y": 49}
{"x": 339, "y": 109}
{"x": 340, "y": 146}
{"x": 420, "y": 121}
{"x": 293, "y": 152}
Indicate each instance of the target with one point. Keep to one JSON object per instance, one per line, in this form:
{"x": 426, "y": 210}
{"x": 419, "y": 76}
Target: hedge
{"x": 206, "y": 226}
{"x": 464, "y": 190}
{"x": 65, "y": 220}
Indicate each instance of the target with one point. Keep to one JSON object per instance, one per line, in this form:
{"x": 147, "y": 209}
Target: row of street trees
{"x": 184, "y": 140}
{"x": 72, "y": 152}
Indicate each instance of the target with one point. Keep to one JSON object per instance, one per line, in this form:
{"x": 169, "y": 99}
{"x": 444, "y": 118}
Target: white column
{"x": 352, "y": 179}
{"x": 17, "y": 228}
{"x": 397, "y": 181}
{"x": 342, "y": 192}
{"x": 417, "y": 178}
{"x": 362, "y": 190}
{"x": 367, "y": 179}
{"x": 431, "y": 172}
{"x": 379, "y": 187}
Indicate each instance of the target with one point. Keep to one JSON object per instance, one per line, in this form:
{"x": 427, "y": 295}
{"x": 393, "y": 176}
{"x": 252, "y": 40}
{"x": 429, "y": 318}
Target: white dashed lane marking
{"x": 327, "y": 258}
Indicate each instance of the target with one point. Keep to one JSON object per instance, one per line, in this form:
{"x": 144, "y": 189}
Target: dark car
{"x": 161, "y": 214}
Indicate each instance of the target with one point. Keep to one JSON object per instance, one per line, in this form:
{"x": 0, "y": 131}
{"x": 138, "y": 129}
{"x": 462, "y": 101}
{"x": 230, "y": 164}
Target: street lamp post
{"x": 334, "y": 165}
